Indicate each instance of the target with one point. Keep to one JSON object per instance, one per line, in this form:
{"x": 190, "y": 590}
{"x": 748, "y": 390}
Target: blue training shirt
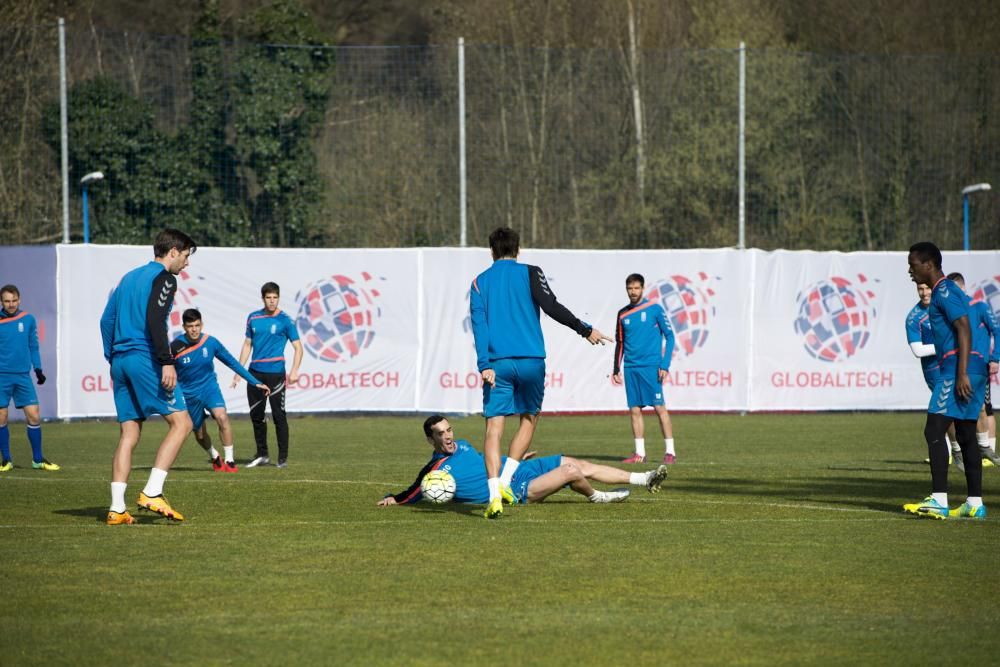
{"x": 640, "y": 335}
{"x": 18, "y": 343}
{"x": 468, "y": 468}
{"x": 135, "y": 318}
{"x": 195, "y": 362}
{"x": 984, "y": 331}
{"x": 269, "y": 335}
{"x": 918, "y": 330}
{"x": 949, "y": 303}
{"x": 504, "y": 305}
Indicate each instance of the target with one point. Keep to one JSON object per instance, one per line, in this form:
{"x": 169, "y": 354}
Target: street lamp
{"x": 978, "y": 187}
{"x": 92, "y": 177}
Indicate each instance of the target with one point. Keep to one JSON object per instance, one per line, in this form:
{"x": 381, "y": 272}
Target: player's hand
{"x": 264, "y": 388}
{"x": 490, "y": 377}
{"x": 236, "y": 381}
{"x": 661, "y": 375}
{"x": 388, "y": 501}
{"x": 963, "y": 388}
{"x": 616, "y": 378}
{"x": 293, "y": 377}
{"x": 168, "y": 377}
{"x": 528, "y": 455}
{"x": 40, "y": 376}
{"x": 596, "y": 337}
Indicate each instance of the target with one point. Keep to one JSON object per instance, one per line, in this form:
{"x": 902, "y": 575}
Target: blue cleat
{"x": 967, "y": 511}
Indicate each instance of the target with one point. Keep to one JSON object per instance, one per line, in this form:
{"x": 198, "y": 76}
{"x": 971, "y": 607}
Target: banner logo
{"x": 689, "y": 308}
{"x": 988, "y": 291}
{"x": 835, "y": 318}
{"x": 336, "y": 317}
{"x": 185, "y": 297}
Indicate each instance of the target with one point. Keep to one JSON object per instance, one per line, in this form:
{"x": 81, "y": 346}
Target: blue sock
{"x": 4, "y": 443}
{"x": 35, "y": 438}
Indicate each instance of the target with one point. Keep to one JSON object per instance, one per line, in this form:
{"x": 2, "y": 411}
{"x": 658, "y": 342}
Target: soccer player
{"x": 921, "y": 341}
{"x": 195, "y": 354}
{"x": 985, "y": 339}
{"x": 18, "y": 356}
{"x": 534, "y": 481}
{"x": 510, "y": 351}
{"x": 134, "y": 333}
{"x": 644, "y": 341}
{"x": 268, "y": 330}
{"x": 958, "y": 393}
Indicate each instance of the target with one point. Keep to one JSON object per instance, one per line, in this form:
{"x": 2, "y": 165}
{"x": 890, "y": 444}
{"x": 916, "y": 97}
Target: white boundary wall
{"x": 397, "y": 323}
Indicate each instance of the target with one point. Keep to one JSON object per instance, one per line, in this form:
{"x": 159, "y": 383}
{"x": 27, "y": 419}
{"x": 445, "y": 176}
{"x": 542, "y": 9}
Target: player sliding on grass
{"x": 195, "y": 354}
{"x": 134, "y": 332}
{"x": 959, "y": 391}
{"x": 510, "y": 352}
{"x": 534, "y": 481}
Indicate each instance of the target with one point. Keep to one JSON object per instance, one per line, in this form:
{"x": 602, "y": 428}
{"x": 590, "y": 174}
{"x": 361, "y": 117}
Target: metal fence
{"x": 250, "y": 144}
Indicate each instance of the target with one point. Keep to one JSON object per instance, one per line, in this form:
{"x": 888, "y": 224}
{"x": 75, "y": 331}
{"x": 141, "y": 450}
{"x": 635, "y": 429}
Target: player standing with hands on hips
{"x": 958, "y": 393}
{"x": 510, "y": 350}
{"x": 644, "y": 341}
{"x": 267, "y": 332}
{"x": 18, "y": 356}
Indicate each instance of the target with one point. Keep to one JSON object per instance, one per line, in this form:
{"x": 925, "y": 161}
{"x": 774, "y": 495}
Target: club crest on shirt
{"x": 642, "y": 316}
{"x": 20, "y": 327}
{"x": 274, "y": 329}
{"x": 204, "y": 353}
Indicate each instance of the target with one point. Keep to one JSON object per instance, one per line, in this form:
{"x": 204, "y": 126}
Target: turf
{"x": 777, "y": 540}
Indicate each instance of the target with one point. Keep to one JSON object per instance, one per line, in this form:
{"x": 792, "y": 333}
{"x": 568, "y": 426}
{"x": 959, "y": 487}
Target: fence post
{"x": 64, "y": 129}
{"x": 461, "y": 143}
{"x": 742, "y": 148}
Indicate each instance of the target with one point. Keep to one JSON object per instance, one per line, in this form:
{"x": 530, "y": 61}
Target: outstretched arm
{"x": 411, "y": 494}
{"x": 542, "y": 295}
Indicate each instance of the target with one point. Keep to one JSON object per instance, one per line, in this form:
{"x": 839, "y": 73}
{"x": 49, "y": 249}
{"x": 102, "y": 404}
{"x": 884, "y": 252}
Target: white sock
{"x": 213, "y": 453}
{"x": 992, "y": 442}
{"x": 638, "y": 478}
{"x": 494, "y": 485}
{"x": 640, "y": 446}
{"x": 983, "y": 439}
{"x": 509, "y": 468}
{"x": 229, "y": 453}
{"x": 154, "y": 487}
{"x": 941, "y": 498}
{"x": 955, "y": 447}
{"x": 669, "y": 443}
{"x": 118, "y": 496}
{"x": 974, "y": 501}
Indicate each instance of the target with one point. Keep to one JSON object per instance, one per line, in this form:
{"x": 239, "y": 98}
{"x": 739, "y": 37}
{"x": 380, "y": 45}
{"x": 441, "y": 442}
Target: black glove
{"x": 40, "y": 376}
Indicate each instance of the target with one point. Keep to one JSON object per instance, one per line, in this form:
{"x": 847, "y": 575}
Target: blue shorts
{"x": 203, "y": 402}
{"x": 529, "y": 470}
{"x": 945, "y": 402}
{"x": 931, "y": 379}
{"x": 137, "y": 390}
{"x": 642, "y": 386}
{"x": 19, "y": 387}
{"x": 520, "y": 387}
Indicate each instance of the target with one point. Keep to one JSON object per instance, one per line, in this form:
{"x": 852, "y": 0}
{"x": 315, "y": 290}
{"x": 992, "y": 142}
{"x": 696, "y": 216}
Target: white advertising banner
{"x": 356, "y": 313}
{"x": 828, "y": 329}
{"x": 389, "y": 330}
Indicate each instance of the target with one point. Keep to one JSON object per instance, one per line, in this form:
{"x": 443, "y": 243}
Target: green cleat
{"x": 494, "y": 510}
{"x": 44, "y": 464}
{"x": 967, "y": 511}
{"x": 6, "y": 465}
{"x": 927, "y": 508}
{"x": 507, "y": 495}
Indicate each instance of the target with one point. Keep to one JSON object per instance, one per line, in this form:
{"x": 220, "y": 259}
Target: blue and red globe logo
{"x": 689, "y": 309}
{"x": 185, "y": 298}
{"x": 988, "y": 291}
{"x": 336, "y": 317}
{"x": 835, "y": 318}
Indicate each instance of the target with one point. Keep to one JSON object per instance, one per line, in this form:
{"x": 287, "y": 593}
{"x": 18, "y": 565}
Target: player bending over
{"x": 534, "y": 481}
{"x": 194, "y": 355}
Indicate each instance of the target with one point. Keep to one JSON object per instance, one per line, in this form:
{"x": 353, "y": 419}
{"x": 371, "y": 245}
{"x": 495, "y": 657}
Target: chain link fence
{"x": 249, "y": 144}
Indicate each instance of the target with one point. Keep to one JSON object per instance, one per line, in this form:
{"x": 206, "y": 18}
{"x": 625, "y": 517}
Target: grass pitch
{"x": 777, "y": 540}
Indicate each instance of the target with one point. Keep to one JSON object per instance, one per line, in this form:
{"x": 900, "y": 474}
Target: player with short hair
{"x": 136, "y": 344}
{"x": 18, "y": 356}
{"x": 534, "y": 481}
{"x": 510, "y": 351}
{"x": 195, "y": 353}
{"x": 985, "y": 338}
{"x": 268, "y": 330}
{"x": 921, "y": 341}
{"x": 958, "y": 393}
{"x": 644, "y": 342}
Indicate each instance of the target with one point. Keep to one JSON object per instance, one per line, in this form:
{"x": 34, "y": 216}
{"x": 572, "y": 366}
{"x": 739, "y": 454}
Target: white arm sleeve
{"x": 921, "y": 349}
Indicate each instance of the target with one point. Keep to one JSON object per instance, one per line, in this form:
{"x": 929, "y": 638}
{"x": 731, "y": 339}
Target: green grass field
{"x": 777, "y": 540}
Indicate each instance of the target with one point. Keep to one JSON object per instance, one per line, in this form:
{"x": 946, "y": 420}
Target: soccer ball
{"x": 438, "y": 486}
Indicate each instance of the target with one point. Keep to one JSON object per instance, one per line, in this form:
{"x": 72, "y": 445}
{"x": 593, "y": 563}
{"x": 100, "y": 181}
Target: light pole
{"x": 92, "y": 177}
{"x": 978, "y": 187}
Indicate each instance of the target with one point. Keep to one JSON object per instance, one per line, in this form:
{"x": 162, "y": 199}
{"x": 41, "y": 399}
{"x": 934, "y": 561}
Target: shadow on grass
{"x": 100, "y": 515}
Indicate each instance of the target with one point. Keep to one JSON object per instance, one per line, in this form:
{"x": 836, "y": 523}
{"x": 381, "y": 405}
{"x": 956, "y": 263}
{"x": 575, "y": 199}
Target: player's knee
{"x": 571, "y": 471}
